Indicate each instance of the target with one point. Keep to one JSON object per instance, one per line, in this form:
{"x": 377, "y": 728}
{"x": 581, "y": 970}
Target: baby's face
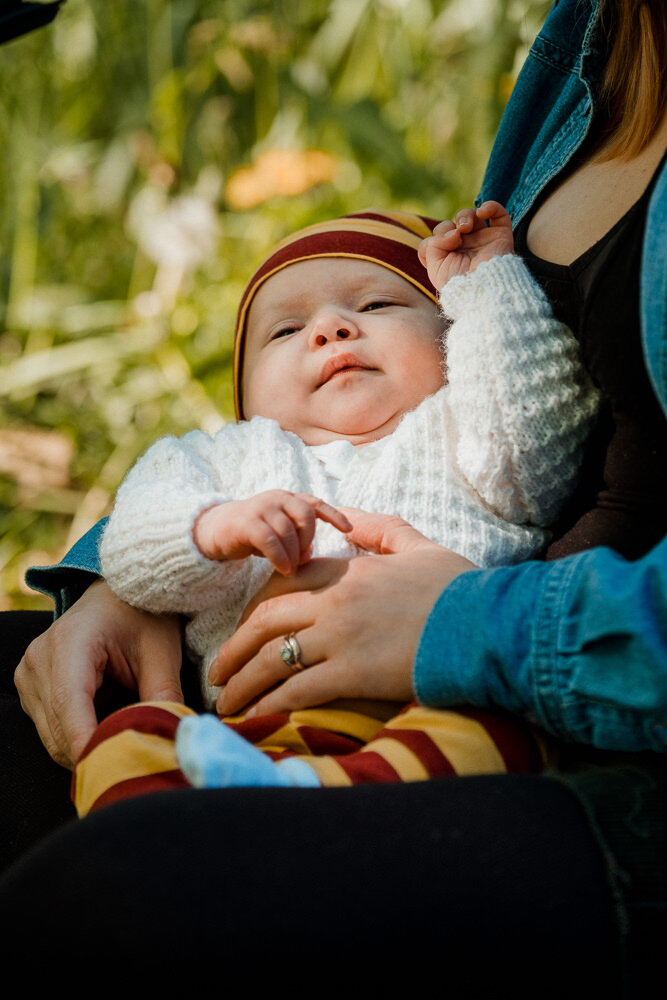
{"x": 340, "y": 348}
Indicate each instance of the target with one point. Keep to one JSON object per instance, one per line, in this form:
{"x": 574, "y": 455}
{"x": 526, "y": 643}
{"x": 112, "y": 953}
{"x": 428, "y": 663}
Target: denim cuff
{"x": 66, "y": 581}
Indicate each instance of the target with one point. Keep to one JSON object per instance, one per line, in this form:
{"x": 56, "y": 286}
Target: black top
{"x": 621, "y": 501}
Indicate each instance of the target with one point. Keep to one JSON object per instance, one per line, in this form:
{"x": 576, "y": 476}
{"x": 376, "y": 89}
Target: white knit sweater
{"x": 483, "y": 466}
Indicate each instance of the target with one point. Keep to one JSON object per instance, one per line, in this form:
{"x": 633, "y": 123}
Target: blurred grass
{"x": 153, "y": 151}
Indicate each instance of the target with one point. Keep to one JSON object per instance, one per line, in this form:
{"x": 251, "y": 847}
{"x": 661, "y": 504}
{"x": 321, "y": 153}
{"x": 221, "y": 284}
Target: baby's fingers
{"x": 493, "y": 213}
{"x": 466, "y": 220}
{"x": 302, "y": 511}
{"x": 444, "y": 227}
{"x": 275, "y": 537}
{"x": 325, "y": 512}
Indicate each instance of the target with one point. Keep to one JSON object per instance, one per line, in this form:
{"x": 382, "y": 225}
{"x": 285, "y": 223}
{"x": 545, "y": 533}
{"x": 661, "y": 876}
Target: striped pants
{"x": 132, "y": 752}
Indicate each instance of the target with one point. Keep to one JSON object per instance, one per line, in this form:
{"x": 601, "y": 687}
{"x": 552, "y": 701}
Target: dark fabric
{"x": 18, "y": 18}
{"x": 626, "y": 807}
{"x": 621, "y": 501}
{"x": 490, "y": 884}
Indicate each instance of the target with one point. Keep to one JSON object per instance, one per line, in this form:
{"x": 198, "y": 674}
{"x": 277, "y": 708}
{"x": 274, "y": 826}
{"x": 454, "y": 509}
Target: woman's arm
{"x": 578, "y": 645}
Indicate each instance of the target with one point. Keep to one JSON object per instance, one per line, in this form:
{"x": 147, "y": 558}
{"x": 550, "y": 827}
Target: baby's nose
{"x": 333, "y": 327}
{"x": 323, "y": 338}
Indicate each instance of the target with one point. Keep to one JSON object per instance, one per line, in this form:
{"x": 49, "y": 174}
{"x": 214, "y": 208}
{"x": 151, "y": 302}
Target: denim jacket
{"x": 578, "y": 645}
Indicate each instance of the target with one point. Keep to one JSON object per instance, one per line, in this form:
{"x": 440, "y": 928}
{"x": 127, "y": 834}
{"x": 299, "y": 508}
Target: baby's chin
{"x": 356, "y": 434}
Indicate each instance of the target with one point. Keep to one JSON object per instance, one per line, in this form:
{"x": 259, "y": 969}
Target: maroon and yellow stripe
{"x": 130, "y": 753}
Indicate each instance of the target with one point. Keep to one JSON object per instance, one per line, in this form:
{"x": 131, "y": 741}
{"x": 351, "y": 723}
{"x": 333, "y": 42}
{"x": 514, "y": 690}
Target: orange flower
{"x": 279, "y": 172}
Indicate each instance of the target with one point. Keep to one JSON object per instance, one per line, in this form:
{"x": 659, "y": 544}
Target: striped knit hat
{"x": 387, "y": 238}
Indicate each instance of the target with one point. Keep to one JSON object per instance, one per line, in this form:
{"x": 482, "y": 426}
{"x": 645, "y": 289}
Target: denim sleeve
{"x": 67, "y": 580}
{"x": 578, "y": 646}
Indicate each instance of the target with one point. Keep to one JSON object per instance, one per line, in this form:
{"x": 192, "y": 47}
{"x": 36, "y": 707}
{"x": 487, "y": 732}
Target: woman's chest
{"x": 588, "y": 202}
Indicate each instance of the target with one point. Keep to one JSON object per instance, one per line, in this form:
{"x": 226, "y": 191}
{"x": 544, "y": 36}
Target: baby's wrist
{"x": 207, "y": 529}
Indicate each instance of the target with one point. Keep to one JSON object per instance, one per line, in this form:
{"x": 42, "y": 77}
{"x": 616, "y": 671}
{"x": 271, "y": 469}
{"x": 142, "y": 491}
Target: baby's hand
{"x": 458, "y": 247}
{"x": 277, "y": 525}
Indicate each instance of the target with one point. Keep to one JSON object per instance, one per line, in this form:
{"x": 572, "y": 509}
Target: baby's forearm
{"x": 521, "y": 398}
{"x": 208, "y": 531}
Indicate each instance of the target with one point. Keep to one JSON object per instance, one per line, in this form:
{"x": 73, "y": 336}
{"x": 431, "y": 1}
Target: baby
{"x": 344, "y": 399}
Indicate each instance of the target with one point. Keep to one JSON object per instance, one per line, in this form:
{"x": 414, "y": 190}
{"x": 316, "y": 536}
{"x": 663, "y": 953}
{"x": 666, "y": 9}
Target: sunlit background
{"x": 152, "y": 152}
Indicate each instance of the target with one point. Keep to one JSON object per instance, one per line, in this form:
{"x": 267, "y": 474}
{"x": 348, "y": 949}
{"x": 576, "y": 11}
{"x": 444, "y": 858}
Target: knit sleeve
{"x": 148, "y": 556}
{"x": 520, "y": 398}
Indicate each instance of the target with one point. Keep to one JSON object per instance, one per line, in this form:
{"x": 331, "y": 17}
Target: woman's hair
{"x": 634, "y": 85}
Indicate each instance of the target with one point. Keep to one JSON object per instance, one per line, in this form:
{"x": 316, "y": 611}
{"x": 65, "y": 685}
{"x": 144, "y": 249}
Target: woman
{"x": 534, "y": 874}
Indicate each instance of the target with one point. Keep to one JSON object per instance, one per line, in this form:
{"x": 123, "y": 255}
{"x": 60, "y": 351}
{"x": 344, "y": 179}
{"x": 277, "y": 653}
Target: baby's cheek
{"x": 425, "y": 373}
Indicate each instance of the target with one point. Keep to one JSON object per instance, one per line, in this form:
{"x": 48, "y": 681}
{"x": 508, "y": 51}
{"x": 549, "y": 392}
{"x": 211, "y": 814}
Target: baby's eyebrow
{"x": 267, "y": 313}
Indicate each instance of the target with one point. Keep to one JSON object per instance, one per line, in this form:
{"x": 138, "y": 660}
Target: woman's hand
{"x": 357, "y": 621}
{"x": 62, "y": 669}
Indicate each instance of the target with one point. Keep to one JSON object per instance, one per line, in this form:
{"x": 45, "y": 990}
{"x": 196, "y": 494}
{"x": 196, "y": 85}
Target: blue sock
{"x": 212, "y": 755}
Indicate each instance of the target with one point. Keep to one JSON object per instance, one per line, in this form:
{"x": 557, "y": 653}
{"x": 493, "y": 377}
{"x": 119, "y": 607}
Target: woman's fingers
{"x": 269, "y": 620}
{"x": 57, "y": 693}
{"x": 268, "y": 668}
{"x": 281, "y": 606}
{"x": 315, "y": 575}
{"x": 32, "y": 706}
{"x": 314, "y": 686}
{"x": 384, "y": 533}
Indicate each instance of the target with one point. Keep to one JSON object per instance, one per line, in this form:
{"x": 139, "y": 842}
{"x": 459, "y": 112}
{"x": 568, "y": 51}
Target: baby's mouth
{"x": 341, "y": 363}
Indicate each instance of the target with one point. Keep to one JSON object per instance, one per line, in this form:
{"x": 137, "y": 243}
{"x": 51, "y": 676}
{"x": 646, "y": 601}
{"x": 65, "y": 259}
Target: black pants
{"x": 491, "y": 883}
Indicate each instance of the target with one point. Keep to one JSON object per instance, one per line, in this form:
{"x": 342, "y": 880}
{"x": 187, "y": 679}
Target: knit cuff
{"x": 503, "y": 283}
{"x": 164, "y": 571}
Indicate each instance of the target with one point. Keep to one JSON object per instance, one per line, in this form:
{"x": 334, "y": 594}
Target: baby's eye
{"x": 283, "y": 332}
{"x": 374, "y": 305}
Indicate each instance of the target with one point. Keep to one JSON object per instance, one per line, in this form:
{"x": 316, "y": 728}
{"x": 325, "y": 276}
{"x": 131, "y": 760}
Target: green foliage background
{"x": 152, "y": 152}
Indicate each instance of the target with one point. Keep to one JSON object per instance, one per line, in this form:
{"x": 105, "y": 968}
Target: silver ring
{"x": 290, "y": 653}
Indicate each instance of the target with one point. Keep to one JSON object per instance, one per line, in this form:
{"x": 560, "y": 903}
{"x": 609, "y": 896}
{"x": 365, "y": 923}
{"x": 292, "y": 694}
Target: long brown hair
{"x": 634, "y": 87}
